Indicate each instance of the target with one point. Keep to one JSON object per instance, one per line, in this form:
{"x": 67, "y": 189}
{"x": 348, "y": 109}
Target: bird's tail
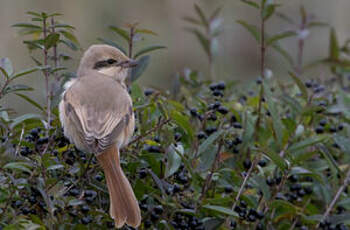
{"x": 124, "y": 207}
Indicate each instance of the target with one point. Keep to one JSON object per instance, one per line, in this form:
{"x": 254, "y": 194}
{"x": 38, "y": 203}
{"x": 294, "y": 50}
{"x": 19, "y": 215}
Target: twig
{"x": 302, "y": 211}
{"x": 299, "y": 67}
{"x": 20, "y": 141}
{"x": 240, "y": 191}
{"x": 262, "y": 68}
{"x": 149, "y": 131}
{"x": 87, "y": 167}
{"x": 336, "y": 197}
{"x": 131, "y": 41}
{"x": 46, "y": 74}
{"x": 55, "y": 58}
{"x": 210, "y": 174}
{"x": 262, "y": 44}
{"x": 8, "y": 80}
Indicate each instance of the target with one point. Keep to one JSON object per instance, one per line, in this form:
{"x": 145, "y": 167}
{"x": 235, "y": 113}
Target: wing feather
{"x": 100, "y": 109}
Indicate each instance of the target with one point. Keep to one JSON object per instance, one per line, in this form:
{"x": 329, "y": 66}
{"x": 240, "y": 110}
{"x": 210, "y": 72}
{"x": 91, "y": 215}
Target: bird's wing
{"x": 100, "y": 108}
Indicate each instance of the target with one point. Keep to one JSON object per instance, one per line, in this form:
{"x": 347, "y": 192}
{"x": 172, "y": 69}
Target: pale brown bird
{"x": 97, "y": 116}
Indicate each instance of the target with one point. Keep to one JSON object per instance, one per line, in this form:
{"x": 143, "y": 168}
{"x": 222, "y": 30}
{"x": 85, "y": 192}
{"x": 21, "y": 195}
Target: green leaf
{"x": 207, "y": 158}
{"x": 75, "y": 202}
{"x": 268, "y": 11}
{"x": 148, "y": 49}
{"x": 70, "y": 44}
{"x": 248, "y": 128}
{"x": 305, "y": 172}
{"x": 70, "y": 36}
{"x": 300, "y": 85}
{"x": 23, "y": 118}
{"x": 158, "y": 181}
{"x": 60, "y": 25}
{"x": 221, "y": 210}
{"x": 51, "y": 40}
{"x": 317, "y": 24}
{"x": 142, "y": 64}
{"x": 4, "y": 73}
{"x": 284, "y": 204}
{"x": 293, "y": 103}
{"x": 306, "y": 143}
{"x": 201, "y": 15}
{"x": 343, "y": 143}
{"x": 279, "y": 161}
{"x": 279, "y": 36}
{"x": 209, "y": 141}
{"x": 173, "y": 159}
{"x": 215, "y": 14}
{"x": 212, "y": 223}
{"x": 251, "y": 3}
{"x": 5, "y": 64}
{"x": 343, "y": 105}
{"x": 54, "y": 14}
{"x": 31, "y": 101}
{"x": 26, "y": 25}
{"x": 183, "y": 122}
{"x": 145, "y": 31}
{"x": 259, "y": 183}
{"x": 341, "y": 218}
{"x": 34, "y": 13}
{"x": 328, "y": 156}
{"x": 283, "y": 52}
{"x": 203, "y": 41}
{"x": 192, "y": 20}
{"x": 333, "y": 46}
{"x": 17, "y": 87}
{"x": 123, "y": 33}
{"x": 36, "y": 44}
{"x": 276, "y": 120}
{"x": 112, "y": 43}
{"x": 252, "y": 29}
{"x": 21, "y": 166}
{"x": 54, "y": 167}
{"x": 24, "y": 72}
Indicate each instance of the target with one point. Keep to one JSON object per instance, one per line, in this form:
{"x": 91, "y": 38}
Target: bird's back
{"x": 98, "y": 116}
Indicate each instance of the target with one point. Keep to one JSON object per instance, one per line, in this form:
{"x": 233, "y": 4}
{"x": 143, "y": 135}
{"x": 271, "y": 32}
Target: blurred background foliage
{"x": 237, "y": 56}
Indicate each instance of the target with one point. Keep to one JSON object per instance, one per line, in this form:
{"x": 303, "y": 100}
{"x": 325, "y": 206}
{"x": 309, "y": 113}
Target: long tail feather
{"x": 124, "y": 207}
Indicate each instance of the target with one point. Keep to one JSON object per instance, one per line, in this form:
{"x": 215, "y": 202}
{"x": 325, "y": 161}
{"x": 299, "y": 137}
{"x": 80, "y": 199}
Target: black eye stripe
{"x": 111, "y": 61}
{"x": 104, "y": 63}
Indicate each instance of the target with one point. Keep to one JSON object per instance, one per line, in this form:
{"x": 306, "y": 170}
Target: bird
{"x": 97, "y": 116}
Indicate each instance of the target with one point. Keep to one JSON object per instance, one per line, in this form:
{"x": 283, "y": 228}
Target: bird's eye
{"x": 111, "y": 61}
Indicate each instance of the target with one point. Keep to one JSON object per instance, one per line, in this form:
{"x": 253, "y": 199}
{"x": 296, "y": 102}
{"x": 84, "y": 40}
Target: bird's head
{"x": 107, "y": 60}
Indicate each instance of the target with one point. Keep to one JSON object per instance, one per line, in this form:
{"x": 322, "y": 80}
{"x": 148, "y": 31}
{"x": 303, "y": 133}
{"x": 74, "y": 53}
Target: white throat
{"x": 111, "y": 71}
{"x": 116, "y": 72}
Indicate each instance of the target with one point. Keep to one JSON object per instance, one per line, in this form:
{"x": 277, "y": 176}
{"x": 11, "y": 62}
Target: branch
{"x": 46, "y": 74}
{"x": 131, "y": 41}
{"x": 299, "y": 67}
{"x": 210, "y": 174}
{"x": 240, "y": 191}
{"x": 262, "y": 67}
{"x": 336, "y": 197}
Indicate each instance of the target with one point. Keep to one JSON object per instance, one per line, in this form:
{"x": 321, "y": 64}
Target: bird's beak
{"x": 132, "y": 63}
{"x": 127, "y": 64}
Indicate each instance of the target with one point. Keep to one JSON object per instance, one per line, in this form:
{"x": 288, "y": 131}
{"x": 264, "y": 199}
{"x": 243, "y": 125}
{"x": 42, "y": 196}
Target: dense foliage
{"x": 208, "y": 155}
